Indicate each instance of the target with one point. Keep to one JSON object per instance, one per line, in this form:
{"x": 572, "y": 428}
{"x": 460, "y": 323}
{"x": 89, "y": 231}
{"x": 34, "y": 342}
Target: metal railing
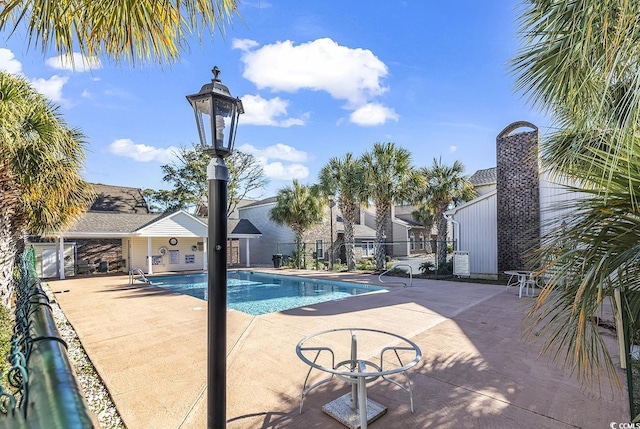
{"x": 45, "y": 391}
{"x": 398, "y": 282}
{"x": 133, "y": 272}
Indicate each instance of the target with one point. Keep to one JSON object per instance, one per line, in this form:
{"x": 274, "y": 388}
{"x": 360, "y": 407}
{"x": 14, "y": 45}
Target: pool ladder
{"x": 138, "y": 271}
{"x": 398, "y": 282}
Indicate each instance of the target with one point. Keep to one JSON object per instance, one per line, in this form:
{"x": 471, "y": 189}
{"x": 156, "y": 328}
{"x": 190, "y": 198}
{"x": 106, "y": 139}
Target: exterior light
{"x": 217, "y": 115}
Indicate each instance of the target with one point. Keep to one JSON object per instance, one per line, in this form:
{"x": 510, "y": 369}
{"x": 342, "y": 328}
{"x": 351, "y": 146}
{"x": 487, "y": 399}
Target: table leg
{"x": 362, "y": 401}
{"x": 354, "y": 365}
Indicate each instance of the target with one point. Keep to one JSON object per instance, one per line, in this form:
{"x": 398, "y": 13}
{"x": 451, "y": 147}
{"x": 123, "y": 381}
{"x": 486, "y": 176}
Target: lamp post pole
{"x": 216, "y": 112}
{"x": 331, "y": 250}
{"x": 217, "y": 178}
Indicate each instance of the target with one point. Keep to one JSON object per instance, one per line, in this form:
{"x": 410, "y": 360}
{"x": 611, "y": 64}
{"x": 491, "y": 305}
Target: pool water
{"x": 256, "y": 293}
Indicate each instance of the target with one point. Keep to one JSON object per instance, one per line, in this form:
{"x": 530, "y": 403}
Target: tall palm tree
{"x": 41, "y": 158}
{"x": 389, "y": 178}
{"x": 299, "y": 207}
{"x": 579, "y": 63}
{"x": 136, "y": 31}
{"x": 445, "y": 187}
{"x": 344, "y": 176}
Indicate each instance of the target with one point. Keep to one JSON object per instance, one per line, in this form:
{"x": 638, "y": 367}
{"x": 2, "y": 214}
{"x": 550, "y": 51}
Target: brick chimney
{"x": 518, "y": 196}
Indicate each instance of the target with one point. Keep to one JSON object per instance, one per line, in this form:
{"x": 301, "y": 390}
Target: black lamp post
{"x": 217, "y": 119}
{"x": 332, "y": 203}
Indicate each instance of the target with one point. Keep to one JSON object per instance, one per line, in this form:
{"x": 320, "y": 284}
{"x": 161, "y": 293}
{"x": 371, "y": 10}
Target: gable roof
{"x": 119, "y": 199}
{"x": 487, "y": 176}
{"x": 270, "y": 200}
{"x": 240, "y": 228}
{"x": 109, "y": 223}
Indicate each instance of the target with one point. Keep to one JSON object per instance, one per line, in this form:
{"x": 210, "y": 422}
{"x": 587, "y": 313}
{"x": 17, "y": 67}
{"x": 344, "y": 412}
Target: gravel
{"x": 96, "y": 394}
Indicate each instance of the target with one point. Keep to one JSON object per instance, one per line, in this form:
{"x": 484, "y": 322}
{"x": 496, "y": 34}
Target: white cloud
{"x": 293, "y": 168}
{"x": 75, "y": 62}
{"x": 260, "y": 111}
{"x": 243, "y": 44}
{"x": 276, "y": 170}
{"x": 372, "y": 114}
{"x": 452, "y": 149}
{"x": 8, "y": 62}
{"x": 321, "y": 65}
{"x": 142, "y": 152}
{"x": 50, "y": 88}
{"x": 277, "y": 151}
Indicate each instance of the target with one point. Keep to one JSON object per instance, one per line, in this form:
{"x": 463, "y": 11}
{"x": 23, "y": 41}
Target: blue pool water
{"x": 256, "y": 293}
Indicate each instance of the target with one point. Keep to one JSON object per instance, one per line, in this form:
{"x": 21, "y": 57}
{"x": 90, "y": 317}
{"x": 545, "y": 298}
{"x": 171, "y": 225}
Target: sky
{"x": 317, "y": 79}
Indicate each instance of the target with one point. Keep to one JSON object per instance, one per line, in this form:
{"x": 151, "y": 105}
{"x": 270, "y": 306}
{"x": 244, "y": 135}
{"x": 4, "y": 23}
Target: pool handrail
{"x": 135, "y": 271}
{"x": 398, "y": 282}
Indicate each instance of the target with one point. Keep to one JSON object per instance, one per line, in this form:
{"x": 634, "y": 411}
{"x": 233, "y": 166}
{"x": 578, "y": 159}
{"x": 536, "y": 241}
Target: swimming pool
{"x": 258, "y": 293}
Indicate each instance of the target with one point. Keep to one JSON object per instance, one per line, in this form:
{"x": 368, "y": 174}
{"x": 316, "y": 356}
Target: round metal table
{"x": 355, "y": 409}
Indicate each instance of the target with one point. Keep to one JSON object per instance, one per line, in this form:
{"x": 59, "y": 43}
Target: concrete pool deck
{"x": 149, "y": 347}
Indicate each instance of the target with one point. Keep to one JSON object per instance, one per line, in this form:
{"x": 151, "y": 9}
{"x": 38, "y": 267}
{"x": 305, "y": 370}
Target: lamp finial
{"x": 216, "y": 72}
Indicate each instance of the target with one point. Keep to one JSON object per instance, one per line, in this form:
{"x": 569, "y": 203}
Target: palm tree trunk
{"x": 8, "y": 235}
{"x": 382, "y": 218}
{"x": 349, "y": 211}
{"x": 441, "y": 226}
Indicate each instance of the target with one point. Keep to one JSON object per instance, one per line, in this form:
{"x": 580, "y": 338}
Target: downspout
{"x": 456, "y": 230}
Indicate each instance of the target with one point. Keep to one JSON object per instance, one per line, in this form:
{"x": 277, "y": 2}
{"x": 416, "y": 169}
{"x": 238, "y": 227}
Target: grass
{"x": 6, "y": 331}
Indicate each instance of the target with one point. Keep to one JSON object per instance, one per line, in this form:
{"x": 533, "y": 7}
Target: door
{"x": 49, "y": 263}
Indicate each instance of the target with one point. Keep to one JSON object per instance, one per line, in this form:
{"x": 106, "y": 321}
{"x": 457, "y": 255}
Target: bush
{"x": 427, "y": 267}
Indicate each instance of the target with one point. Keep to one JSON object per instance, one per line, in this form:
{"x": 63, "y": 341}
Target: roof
{"x": 359, "y": 231}
{"x": 120, "y": 199}
{"x": 111, "y": 223}
{"x": 114, "y": 224}
{"x": 484, "y": 177}
{"x": 242, "y": 227}
{"x": 269, "y": 200}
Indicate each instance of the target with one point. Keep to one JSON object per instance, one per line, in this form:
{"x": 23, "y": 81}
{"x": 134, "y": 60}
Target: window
{"x": 320, "y": 249}
{"x": 421, "y": 244}
{"x": 367, "y": 249}
{"x": 412, "y": 241}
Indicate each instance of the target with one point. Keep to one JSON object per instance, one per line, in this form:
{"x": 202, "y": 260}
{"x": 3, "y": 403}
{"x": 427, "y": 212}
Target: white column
{"x": 149, "y": 256}
{"x": 61, "y": 257}
{"x": 247, "y": 252}
{"x": 205, "y": 256}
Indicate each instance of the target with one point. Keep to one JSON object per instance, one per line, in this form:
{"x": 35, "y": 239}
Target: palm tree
{"x": 344, "y": 177}
{"x": 445, "y": 187}
{"x": 299, "y": 207}
{"x": 579, "y": 63}
{"x": 41, "y": 158}
{"x": 424, "y": 215}
{"x": 133, "y": 31}
{"x": 389, "y": 178}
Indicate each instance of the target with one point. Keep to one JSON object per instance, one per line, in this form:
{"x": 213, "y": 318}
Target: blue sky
{"x": 318, "y": 79}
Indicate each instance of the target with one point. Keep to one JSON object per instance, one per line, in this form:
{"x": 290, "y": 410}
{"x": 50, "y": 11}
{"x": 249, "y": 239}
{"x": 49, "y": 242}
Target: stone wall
{"x": 98, "y": 250}
{"x": 518, "y": 196}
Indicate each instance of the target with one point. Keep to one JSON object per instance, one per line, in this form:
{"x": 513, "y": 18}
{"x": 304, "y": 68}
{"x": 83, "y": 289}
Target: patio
{"x": 149, "y": 346}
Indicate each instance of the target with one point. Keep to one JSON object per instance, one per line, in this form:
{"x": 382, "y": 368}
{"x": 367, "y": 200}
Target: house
{"x": 512, "y": 210}
{"x": 327, "y": 238}
{"x": 118, "y": 234}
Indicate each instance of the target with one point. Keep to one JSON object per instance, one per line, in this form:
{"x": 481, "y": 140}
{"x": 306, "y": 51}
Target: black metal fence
{"x": 431, "y": 258}
{"x": 43, "y": 392}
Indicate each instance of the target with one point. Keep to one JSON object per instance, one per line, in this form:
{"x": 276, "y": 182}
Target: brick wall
{"x": 518, "y": 196}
